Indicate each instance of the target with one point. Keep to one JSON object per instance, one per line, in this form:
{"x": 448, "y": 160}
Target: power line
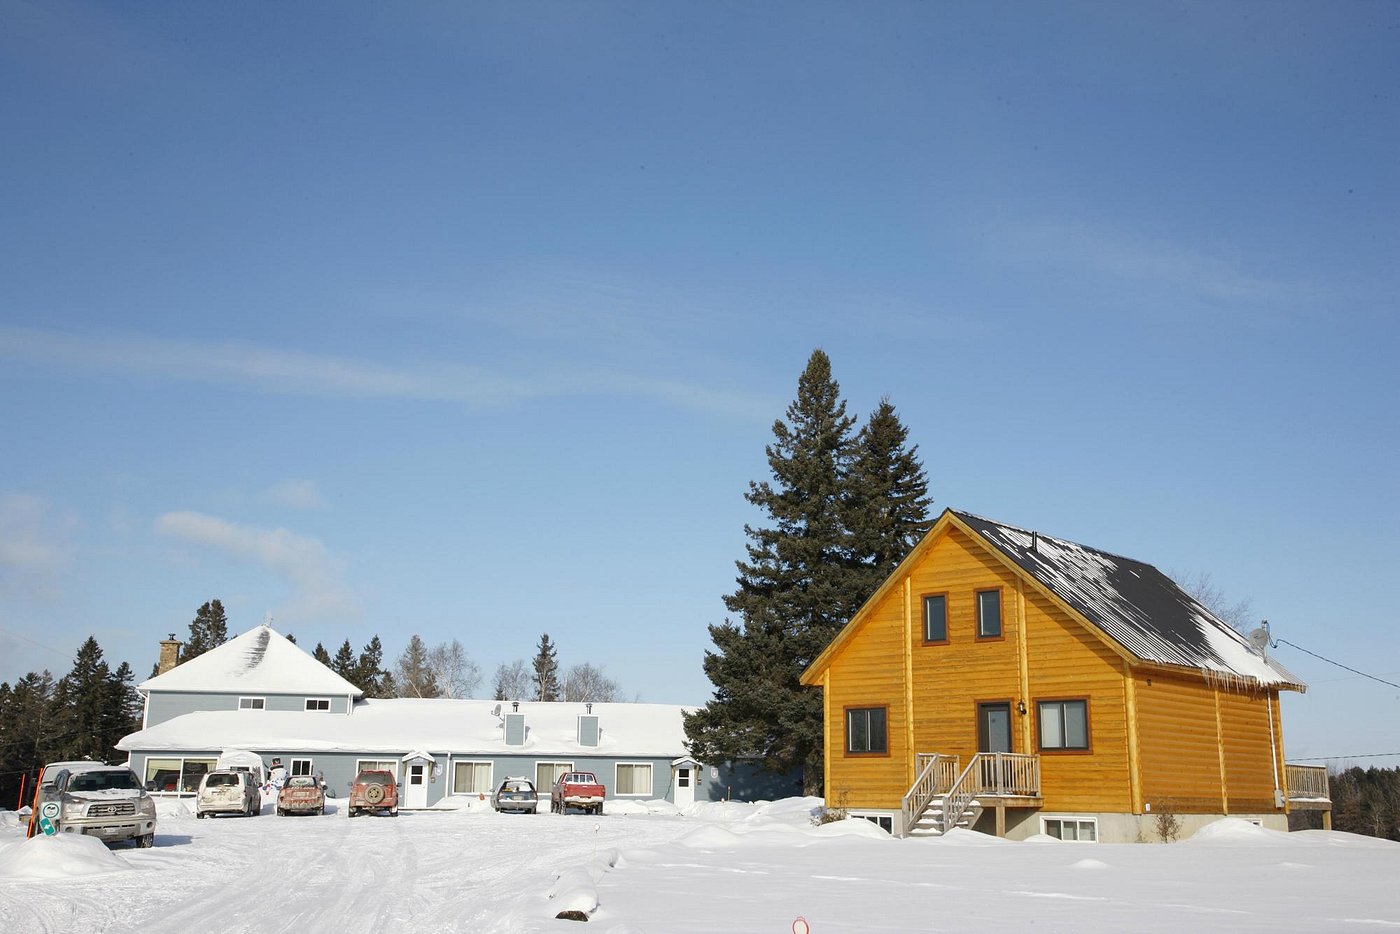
{"x": 1372, "y": 755}
{"x": 1338, "y": 664}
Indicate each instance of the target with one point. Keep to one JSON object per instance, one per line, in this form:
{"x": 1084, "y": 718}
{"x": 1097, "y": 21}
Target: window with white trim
{"x": 633, "y": 778}
{"x": 252, "y": 703}
{"x": 471, "y": 778}
{"x": 884, "y": 821}
{"x": 547, "y": 772}
{"x": 1077, "y": 829}
{"x": 176, "y": 775}
{"x": 318, "y": 703}
{"x": 301, "y": 767}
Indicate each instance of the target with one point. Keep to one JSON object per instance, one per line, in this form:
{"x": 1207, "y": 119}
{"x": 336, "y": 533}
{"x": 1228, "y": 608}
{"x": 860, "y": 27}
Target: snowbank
{"x": 63, "y": 856}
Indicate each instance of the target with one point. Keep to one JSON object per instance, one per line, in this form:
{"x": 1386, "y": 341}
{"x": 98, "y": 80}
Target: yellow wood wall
{"x": 1204, "y": 750}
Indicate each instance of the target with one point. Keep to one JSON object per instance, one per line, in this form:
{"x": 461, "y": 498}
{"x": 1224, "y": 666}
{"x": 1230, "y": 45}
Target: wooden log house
{"x": 1021, "y": 684}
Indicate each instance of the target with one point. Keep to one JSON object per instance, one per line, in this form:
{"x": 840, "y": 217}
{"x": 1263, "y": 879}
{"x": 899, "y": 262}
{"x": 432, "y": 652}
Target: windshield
{"x": 302, "y": 781}
{"x": 216, "y": 781}
{"x": 120, "y": 779}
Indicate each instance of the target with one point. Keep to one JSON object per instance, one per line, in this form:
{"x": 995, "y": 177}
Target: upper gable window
{"x": 989, "y": 614}
{"x": 935, "y": 618}
{"x": 318, "y": 703}
{"x": 252, "y": 703}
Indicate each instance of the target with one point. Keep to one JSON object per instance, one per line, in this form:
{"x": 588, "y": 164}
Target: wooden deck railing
{"x": 1016, "y": 774}
{"x": 1307, "y": 781}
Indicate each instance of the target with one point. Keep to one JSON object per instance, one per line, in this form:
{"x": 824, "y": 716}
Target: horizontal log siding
{"x": 949, "y": 680}
{"x": 869, "y": 672}
{"x": 1068, "y": 662}
{"x": 1249, "y": 779}
{"x": 1177, "y": 744}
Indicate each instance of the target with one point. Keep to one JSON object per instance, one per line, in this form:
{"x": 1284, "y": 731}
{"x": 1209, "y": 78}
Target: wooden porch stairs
{"x": 945, "y": 796}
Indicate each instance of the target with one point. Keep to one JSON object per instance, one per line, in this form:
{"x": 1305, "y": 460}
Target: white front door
{"x": 685, "y": 785}
{"x": 415, "y": 795}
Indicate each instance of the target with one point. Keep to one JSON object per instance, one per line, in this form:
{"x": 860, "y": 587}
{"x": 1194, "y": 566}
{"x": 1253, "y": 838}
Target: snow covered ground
{"x": 731, "y": 868}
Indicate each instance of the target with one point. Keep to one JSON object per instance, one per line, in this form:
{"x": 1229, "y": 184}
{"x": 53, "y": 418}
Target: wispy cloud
{"x": 295, "y": 494}
{"x": 34, "y": 546}
{"x": 1116, "y": 257}
{"x": 303, "y": 561}
{"x": 249, "y": 366}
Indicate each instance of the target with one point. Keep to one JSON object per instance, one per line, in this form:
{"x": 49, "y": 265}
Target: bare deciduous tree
{"x": 514, "y": 681}
{"x": 583, "y": 683}
{"x": 454, "y": 670}
{"x": 1238, "y": 615}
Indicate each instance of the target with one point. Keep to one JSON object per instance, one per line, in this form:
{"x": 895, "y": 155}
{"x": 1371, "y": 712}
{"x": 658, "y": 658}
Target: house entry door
{"x": 993, "y": 735}
{"x": 994, "y": 727}
{"x": 415, "y": 793}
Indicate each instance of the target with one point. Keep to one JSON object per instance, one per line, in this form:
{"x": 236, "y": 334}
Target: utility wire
{"x": 1338, "y": 664}
{"x": 1373, "y": 755}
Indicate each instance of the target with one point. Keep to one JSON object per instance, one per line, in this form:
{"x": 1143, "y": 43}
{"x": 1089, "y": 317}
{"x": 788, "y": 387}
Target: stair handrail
{"x": 934, "y": 771}
{"x": 961, "y": 794}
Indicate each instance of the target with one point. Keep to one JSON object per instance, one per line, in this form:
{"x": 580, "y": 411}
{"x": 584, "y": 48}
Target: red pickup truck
{"x": 577, "y": 790}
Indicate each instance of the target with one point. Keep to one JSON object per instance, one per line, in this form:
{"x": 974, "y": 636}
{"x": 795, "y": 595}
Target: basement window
{"x": 866, "y": 734}
{"x": 318, "y": 703}
{"x": 252, "y": 703}
{"x": 1075, "y": 829}
{"x": 884, "y": 821}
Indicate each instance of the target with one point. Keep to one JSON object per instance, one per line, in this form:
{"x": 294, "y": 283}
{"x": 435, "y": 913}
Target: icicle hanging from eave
{"x": 1232, "y": 682}
{"x": 1246, "y": 684}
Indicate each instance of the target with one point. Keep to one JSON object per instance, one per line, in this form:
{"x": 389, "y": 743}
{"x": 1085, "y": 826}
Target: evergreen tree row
{"x": 81, "y": 716}
{"x": 842, "y": 508}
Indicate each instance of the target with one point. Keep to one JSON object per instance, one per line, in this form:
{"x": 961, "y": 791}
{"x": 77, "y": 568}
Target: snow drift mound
{"x": 1235, "y": 830}
{"x": 59, "y": 857}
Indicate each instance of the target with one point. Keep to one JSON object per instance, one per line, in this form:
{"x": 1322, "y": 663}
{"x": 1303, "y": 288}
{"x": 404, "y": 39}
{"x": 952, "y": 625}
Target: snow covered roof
{"x": 261, "y": 661}
{"x": 1135, "y": 604}
{"x": 437, "y": 726}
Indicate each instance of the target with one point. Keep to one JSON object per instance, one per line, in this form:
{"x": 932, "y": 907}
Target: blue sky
{"x": 473, "y": 320}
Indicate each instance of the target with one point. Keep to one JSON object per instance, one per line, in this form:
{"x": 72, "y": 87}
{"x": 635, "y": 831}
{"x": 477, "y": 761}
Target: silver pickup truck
{"x": 100, "y": 800}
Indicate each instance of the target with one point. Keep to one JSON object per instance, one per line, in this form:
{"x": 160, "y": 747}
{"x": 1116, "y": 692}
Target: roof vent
{"x": 1035, "y": 540}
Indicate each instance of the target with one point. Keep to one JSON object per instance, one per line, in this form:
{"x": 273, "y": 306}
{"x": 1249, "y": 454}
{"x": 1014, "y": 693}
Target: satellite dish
{"x": 1259, "y": 638}
{"x": 497, "y": 711}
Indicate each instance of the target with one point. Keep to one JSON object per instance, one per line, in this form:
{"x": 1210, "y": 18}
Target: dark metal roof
{"x": 1135, "y": 604}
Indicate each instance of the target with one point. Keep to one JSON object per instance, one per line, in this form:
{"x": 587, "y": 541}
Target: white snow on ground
{"x": 656, "y": 868}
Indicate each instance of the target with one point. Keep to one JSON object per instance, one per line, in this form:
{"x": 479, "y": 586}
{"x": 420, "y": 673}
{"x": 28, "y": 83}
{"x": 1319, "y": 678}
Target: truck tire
{"x": 146, "y": 842}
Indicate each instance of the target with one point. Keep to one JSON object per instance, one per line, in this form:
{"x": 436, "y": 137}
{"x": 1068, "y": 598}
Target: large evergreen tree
{"x": 370, "y": 674}
{"x": 208, "y": 630}
{"x": 413, "y": 672}
{"x": 887, "y": 500}
{"x": 321, "y": 655}
{"x": 546, "y": 671}
{"x": 841, "y": 510}
{"x": 80, "y": 703}
{"x": 346, "y": 665}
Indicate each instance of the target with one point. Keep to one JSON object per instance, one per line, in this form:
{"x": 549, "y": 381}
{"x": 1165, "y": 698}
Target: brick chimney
{"x": 169, "y": 654}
